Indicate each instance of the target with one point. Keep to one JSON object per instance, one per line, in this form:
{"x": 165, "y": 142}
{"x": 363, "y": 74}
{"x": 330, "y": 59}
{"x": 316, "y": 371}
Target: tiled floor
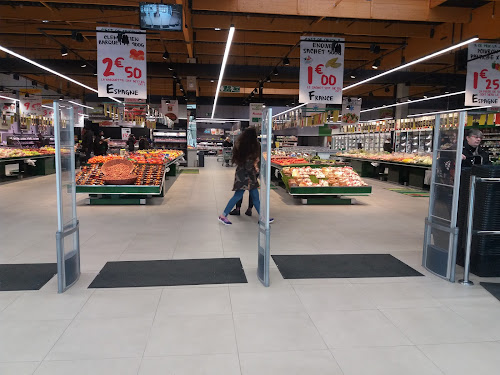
{"x": 384, "y": 326}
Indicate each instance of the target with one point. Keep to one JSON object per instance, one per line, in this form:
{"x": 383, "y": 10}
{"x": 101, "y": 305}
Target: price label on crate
{"x": 483, "y": 75}
{"x": 121, "y": 63}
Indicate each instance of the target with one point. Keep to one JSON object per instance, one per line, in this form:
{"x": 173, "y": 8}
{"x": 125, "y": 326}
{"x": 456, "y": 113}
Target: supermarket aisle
{"x": 324, "y": 326}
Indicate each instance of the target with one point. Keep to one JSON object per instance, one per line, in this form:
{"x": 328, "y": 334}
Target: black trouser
{"x": 240, "y": 202}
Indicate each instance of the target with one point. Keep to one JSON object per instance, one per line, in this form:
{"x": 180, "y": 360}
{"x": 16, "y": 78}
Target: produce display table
{"x": 323, "y": 195}
{"x": 127, "y": 194}
{"x": 398, "y": 172}
{"x": 45, "y": 165}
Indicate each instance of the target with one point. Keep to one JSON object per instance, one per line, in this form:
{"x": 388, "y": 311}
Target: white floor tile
{"x": 188, "y": 335}
{"x": 28, "y": 340}
{"x": 399, "y": 360}
{"x": 435, "y": 326}
{"x": 333, "y": 297}
{"x": 122, "y": 366}
{"x": 341, "y": 329}
{"x": 18, "y": 368}
{"x": 121, "y": 303}
{"x": 194, "y": 301}
{"x": 44, "y": 306}
{"x": 398, "y": 295}
{"x": 216, "y": 364}
{"x": 102, "y": 338}
{"x": 6, "y": 298}
{"x": 289, "y": 363}
{"x": 276, "y": 332}
{"x": 259, "y": 300}
{"x": 485, "y": 317}
{"x": 464, "y": 359}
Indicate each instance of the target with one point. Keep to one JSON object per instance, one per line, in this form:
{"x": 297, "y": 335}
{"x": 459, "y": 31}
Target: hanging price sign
{"x": 121, "y": 63}
{"x": 483, "y": 75}
{"x": 31, "y": 106}
{"x": 321, "y": 70}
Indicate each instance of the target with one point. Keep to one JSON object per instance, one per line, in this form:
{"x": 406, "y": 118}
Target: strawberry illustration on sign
{"x": 136, "y": 55}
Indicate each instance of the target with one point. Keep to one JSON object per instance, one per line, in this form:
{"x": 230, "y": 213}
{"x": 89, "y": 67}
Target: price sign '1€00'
{"x": 483, "y": 75}
{"x": 121, "y": 63}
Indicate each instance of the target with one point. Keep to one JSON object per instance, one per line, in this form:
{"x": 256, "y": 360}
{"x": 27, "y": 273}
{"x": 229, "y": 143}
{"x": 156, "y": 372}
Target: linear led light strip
{"x": 51, "y": 71}
{"x": 81, "y": 105}
{"x": 414, "y": 101}
{"x": 449, "y": 111}
{"x": 432, "y": 55}
{"x": 6, "y": 97}
{"x": 377, "y": 119}
{"x": 223, "y": 66}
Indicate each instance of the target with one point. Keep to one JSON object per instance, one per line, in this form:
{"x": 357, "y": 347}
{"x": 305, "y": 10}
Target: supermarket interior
{"x": 366, "y": 132}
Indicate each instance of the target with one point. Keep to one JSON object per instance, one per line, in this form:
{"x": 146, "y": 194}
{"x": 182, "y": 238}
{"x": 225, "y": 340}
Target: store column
{"x": 402, "y": 94}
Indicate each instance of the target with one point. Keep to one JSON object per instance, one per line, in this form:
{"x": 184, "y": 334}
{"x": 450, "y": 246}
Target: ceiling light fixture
{"x": 61, "y": 97}
{"x": 275, "y": 71}
{"x": 223, "y": 66}
{"x": 64, "y": 51}
{"x": 268, "y": 79}
{"x": 6, "y": 97}
{"x": 27, "y": 95}
{"x": 170, "y": 67}
{"x": 217, "y": 29}
{"x": 449, "y": 111}
{"x": 81, "y": 105}
{"x": 289, "y": 110}
{"x": 430, "y": 56}
{"x": 414, "y": 101}
{"x": 286, "y": 61}
{"x": 84, "y": 65}
{"x": 51, "y": 71}
{"x": 45, "y": 87}
{"x": 353, "y": 76}
{"x": 46, "y": 106}
{"x": 34, "y": 83}
{"x": 376, "y": 64}
{"x": 15, "y": 76}
{"x": 166, "y": 55}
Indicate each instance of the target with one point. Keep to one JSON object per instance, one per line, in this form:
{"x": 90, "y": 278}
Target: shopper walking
{"x": 131, "y": 143}
{"x": 246, "y": 156}
{"x": 237, "y": 209}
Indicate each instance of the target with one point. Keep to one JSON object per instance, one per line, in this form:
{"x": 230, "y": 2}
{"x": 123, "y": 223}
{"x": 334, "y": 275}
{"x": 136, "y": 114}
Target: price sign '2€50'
{"x": 121, "y": 63}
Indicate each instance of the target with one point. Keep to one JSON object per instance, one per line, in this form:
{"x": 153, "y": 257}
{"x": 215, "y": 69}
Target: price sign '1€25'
{"x": 483, "y": 75}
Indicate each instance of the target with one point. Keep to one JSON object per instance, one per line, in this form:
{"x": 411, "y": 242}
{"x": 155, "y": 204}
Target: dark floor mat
{"x": 341, "y": 266}
{"x": 493, "y": 288}
{"x": 170, "y": 273}
{"x": 25, "y": 276}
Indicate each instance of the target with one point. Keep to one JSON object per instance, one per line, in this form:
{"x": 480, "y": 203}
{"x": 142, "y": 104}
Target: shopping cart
{"x": 227, "y": 156}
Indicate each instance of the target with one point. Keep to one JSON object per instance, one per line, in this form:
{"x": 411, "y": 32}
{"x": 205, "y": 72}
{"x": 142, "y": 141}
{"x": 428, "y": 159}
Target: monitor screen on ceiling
{"x": 156, "y": 16}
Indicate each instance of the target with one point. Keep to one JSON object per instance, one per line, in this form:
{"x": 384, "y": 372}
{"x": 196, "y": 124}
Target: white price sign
{"x": 483, "y": 75}
{"x": 321, "y": 70}
{"x": 255, "y": 115}
{"x": 121, "y": 63}
{"x": 31, "y": 106}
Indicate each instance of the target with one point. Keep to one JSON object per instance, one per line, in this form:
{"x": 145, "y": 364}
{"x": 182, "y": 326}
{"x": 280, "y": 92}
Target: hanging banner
{"x": 170, "y": 109}
{"x": 126, "y": 133}
{"x": 351, "y": 108}
{"x": 482, "y": 86}
{"x": 31, "y": 106}
{"x": 255, "y": 115}
{"x": 121, "y": 63}
{"x": 321, "y": 70}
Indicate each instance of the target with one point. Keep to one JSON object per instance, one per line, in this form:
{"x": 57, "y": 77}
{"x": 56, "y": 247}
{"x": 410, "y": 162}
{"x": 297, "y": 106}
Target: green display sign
{"x": 230, "y": 88}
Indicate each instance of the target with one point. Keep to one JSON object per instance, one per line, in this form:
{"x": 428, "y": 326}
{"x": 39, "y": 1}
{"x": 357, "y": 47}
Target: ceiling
{"x": 266, "y": 32}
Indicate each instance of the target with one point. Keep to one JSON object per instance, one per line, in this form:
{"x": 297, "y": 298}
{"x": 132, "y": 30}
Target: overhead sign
{"x": 170, "y": 109}
{"x": 230, "y": 88}
{"x": 483, "y": 75}
{"x": 351, "y": 108}
{"x": 256, "y": 114}
{"x": 121, "y": 63}
{"x": 321, "y": 70}
{"x": 31, "y": 106}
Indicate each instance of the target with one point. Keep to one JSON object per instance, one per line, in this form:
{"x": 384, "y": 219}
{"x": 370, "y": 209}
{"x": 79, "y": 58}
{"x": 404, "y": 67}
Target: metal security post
{"x": 470, "y": 222}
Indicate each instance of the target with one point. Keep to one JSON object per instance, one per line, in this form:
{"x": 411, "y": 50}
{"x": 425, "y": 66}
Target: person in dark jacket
{"x": 227, "y": 142}
{"x": 143, "y": 143}
{"x": 100, "y": 144}
{"x": 246, "y": 156}
{"x": 131, "y": 143}
{"x": 87, "y": 143}
{"x": 473, "y": 153}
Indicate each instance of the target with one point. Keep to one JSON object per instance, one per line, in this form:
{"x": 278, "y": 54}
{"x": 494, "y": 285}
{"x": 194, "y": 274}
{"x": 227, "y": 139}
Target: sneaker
{"x": 271, "y": 220}
{"x": 248, "y": 212}
{"x": 224, "y": 220}
{"x": 235, "y": 212}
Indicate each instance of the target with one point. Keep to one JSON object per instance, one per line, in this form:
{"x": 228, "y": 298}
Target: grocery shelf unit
{"x": 44, "y": 165}
{"x": 287, "y": 140}
{"x": 491, "y": 143}
{"x": 354, "y": 141}
{"x": 127, "y": 194}
{"x": 413, "y": 141}
{"x": 211, "y": 144}
{"x": 28, "y": 140}
{"x": 114, "y": 145}
{"x": 171, "y": 139}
